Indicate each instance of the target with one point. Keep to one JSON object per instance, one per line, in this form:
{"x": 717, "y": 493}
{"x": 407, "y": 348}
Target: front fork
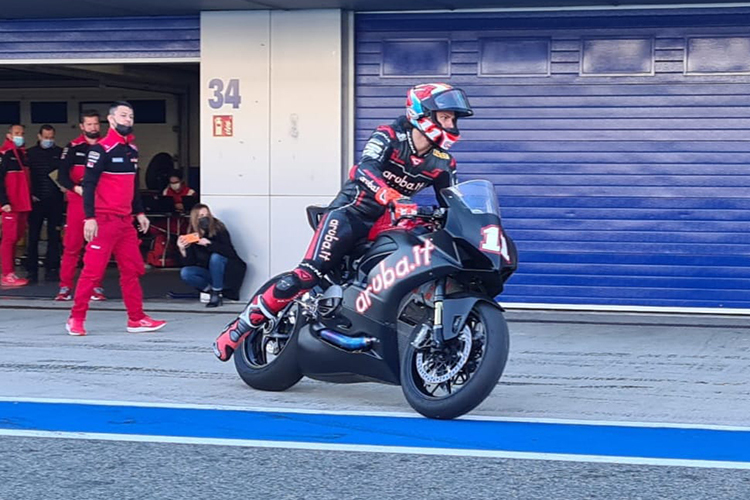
{"x": 438, "y": 337}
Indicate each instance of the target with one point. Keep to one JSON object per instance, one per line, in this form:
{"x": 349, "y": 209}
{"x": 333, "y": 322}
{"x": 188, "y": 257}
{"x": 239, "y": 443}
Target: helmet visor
{"x": 453, "y": 100}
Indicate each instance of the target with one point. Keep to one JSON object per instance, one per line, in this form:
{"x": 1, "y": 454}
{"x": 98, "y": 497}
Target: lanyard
{"x": 18, "y": 157}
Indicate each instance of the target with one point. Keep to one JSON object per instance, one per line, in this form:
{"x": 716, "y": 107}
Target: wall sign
{"x": 223, "y": 126}
{"x": 228, "y": 93}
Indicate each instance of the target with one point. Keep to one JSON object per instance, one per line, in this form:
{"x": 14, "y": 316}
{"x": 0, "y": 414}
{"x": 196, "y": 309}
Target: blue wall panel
{"x": 625, "y": 185}
{"x": 97, "y": 38}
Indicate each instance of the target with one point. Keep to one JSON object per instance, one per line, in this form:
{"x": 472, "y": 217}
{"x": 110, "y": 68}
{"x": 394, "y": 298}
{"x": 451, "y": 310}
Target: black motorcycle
{"x": 413, "y": 308}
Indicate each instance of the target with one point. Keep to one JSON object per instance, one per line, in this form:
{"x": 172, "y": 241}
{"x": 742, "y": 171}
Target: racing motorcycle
{"x": 415, "y": 308}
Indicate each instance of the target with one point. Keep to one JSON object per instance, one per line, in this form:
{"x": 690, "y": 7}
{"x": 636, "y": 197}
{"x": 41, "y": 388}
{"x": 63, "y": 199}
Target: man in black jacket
{"x": 47, "y": 199}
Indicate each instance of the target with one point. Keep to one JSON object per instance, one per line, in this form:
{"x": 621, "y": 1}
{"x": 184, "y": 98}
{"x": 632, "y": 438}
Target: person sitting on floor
{"x": 211, "y": 262}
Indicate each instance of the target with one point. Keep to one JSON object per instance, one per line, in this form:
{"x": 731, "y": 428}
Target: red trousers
{"x": 116, "y": 236}
{"x": 14, "y": 225}
{"x": 72, "y": 241}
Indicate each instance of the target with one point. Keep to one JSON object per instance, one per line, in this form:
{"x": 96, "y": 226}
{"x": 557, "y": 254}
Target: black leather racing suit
{"x": 389, "y": 164}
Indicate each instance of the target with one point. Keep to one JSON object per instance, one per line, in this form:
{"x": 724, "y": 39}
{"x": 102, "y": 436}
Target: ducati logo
{"x": 416, "y": 160}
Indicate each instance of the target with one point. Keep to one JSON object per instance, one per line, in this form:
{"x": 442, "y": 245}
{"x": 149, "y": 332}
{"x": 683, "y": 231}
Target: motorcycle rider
{"x": 398, "y": 160}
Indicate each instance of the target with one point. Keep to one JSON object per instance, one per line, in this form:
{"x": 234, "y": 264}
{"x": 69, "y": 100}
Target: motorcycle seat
{"x": 314, "y": 215}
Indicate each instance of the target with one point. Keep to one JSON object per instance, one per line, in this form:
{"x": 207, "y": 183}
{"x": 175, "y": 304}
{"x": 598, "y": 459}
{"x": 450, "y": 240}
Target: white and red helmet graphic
{"x": 423, "y": 101}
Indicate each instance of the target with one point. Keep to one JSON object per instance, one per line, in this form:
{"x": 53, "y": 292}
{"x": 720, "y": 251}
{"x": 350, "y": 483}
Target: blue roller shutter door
{"x": 619, "y": 144}
{"x": 100, "y": 39}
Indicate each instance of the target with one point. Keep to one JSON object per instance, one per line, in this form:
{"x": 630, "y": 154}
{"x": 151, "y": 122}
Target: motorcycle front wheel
{"x": 267, "y": 359}
{"x": 447, "y": 382}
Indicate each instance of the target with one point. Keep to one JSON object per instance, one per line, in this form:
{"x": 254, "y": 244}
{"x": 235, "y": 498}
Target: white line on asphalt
{"x": 295, "y": 445}
{"x": 365, "y": 413}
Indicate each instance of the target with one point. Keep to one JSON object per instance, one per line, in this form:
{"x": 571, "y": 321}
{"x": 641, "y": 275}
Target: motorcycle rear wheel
{"x": 267, "y": 360}
{"x": 477, "y": 376}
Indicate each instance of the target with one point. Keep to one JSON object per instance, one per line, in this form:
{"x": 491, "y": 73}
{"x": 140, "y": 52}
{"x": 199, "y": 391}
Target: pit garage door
{"x": 618, "y": 142}
{"x": 100, "y": 40}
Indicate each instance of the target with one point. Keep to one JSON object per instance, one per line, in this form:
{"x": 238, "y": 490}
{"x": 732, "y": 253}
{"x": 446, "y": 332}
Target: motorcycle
{"x": 415, "y": 308}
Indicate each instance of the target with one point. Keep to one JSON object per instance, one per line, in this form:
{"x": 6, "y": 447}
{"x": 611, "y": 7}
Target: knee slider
{"x": 308, "y": 275}
{"x": 287, "y": 287}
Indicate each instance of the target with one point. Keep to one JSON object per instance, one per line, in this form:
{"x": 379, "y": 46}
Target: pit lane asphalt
{"x": 596, "y": 366}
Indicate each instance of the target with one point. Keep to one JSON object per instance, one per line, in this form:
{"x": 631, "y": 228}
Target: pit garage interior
{"x": 164, "y": 91}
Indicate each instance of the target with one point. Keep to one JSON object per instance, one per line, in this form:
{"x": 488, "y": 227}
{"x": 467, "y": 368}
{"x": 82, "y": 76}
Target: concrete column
{"x": 284, "y": 151}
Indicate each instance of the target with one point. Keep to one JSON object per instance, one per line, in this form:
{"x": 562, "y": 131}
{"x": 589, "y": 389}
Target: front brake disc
{"x": 432, "y": 375}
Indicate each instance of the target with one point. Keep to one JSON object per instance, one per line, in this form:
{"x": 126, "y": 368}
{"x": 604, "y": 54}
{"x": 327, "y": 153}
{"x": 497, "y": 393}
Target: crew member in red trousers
{"x": 110, "y": 198}
{"x": 70, "y": 176}
{"x": 15, "y": 201}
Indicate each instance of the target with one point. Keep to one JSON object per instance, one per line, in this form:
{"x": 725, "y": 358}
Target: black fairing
{"x": 397, "y": 263}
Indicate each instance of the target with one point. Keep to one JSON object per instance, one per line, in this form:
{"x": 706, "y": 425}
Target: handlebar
{"x": 430, "y": 213}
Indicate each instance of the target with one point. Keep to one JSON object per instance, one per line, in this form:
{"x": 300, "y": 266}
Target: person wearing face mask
{"x": 211, "y": 262}
{"x": 177, "y": 189}
{"x": 110, "y": 199}
{"x": 44, "y": 159}
{"x": 163, "y": 230}
{"x": 70, "y": 177}
{"x": 15, "y": 202}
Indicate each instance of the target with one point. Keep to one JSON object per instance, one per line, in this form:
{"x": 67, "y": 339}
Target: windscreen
{"x": 478, "y": 196}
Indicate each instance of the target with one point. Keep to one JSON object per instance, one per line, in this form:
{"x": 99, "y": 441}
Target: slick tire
{"x": 479, "y": 386}
{"x": 279, "y": 375}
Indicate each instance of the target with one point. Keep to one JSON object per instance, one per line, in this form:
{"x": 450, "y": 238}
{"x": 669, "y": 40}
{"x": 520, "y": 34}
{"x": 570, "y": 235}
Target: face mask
{"x": 18, "y": 141}
{"x": 203, "y": 223}
{"x": 47, "y": 143}
{"x": 92, "y": 135}
{"x": 175, "y": 187}
{"x": 123, "y": 130}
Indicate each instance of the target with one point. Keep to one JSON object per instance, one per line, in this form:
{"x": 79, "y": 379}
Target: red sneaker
{"x": 98, "y": 294}
{"x": 145, "y": 325}
{"x": 64, "y": 294}
{"x": 12, "y": 281}
{"x": 75, "y": 327}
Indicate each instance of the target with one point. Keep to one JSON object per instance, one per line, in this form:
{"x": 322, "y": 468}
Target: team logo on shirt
{"x": 93, "y": 158}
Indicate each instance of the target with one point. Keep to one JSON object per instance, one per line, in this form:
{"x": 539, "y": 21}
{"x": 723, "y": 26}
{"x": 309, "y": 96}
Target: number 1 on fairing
{"x": 493, "y": 241}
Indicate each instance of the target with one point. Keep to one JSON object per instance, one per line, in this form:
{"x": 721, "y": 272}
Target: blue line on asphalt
{"x": 575, "y": 439}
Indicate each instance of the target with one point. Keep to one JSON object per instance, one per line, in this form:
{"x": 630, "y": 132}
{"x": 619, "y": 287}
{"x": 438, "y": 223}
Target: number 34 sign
{"x": 224, "y": 93}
